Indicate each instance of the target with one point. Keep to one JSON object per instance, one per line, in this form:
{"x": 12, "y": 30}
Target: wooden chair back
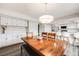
{"x": 30, "y": 35}
{"x": 44, "y": 35}
{"x": 51, "y": 35}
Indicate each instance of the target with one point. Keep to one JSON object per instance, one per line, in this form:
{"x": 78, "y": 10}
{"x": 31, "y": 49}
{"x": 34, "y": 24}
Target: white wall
{"x": 33, "y": 27}
{"x": 44, "y": 28}
{"x": 47, "y": 28}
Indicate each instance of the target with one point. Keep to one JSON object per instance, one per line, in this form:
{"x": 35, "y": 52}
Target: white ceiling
{"x": 36, "y": 10}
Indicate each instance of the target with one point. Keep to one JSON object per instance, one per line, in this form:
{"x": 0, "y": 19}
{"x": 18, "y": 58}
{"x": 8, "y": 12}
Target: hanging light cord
{"x": 45, "y": 8}
{"x": 46, "y": 18}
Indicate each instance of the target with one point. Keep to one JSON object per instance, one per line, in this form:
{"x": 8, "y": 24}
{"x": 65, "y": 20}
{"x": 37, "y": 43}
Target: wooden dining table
{"x": 52, "y": 47}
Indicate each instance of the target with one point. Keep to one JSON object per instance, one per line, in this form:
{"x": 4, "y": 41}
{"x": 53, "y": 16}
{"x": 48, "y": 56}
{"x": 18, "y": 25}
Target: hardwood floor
{"x": 13, "y": 50}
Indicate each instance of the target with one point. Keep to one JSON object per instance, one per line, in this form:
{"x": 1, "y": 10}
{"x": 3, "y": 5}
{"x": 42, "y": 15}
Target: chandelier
{"x": 46, "y": 18}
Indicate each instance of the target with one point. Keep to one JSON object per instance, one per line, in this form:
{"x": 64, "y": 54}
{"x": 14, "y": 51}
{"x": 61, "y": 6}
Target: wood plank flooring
{"x": 13, "y": 50}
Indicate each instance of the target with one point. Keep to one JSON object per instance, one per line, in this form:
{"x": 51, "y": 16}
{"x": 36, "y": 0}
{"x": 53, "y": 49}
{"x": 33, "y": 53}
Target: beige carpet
{"x": 13, "y": 50}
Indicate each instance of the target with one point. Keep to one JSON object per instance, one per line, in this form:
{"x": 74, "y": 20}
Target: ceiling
{"x": 36, "y": 10}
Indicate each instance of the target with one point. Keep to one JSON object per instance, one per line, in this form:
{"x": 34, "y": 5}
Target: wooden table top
{"x": 46, "y": 47}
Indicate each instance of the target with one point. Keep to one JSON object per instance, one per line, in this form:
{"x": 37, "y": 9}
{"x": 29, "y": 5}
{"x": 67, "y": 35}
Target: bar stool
{"x": 76, "y": 39}
{"x": 66, "y": 36}
{"x": 58, "y": 35}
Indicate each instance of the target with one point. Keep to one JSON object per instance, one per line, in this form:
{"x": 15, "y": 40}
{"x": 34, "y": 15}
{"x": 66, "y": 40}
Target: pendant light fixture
{"x": 46, "y": 18}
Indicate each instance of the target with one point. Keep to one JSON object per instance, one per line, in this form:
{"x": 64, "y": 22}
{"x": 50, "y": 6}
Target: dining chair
{"x": 29, "y": 35}
{"x": 44, "y": 35}
{"x": 51, "y": 35}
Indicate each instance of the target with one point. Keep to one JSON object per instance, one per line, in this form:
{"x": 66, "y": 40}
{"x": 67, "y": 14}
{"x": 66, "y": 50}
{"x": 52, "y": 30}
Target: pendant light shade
{"x": 46, "y": 19}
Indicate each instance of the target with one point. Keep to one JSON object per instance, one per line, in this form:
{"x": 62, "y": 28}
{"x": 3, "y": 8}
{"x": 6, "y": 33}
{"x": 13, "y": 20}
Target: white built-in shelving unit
{"x": 14, "y": 29}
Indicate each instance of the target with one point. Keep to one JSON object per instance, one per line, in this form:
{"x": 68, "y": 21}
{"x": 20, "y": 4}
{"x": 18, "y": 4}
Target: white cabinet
{"x": 21, "y": 23}
{"x": 78, "y": 25}
{"x": 4, "y": 20}
{"x": 9, "y": 21}
{"x": 2, "y": 40}
{"x": 12, "y": 21}
{"x": 12, "y": 36}
{"x": 24, "y": 23}
{"x": 71, "y": 26}
{"x": 14, "y": 31}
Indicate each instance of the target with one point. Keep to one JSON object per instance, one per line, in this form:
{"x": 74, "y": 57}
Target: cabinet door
{"x": 14, "y": 22}
{"x": 78, "y": 25}
{"x": 25, "y": 23}
{"x": 3, "y": 40}
{"x": 19, "y": 22}
{"x": 9, "y": 21}
{"x": 4, "y": 20}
